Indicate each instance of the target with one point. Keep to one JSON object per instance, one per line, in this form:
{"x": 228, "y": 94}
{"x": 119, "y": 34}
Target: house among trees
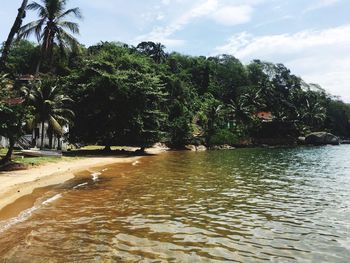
{"x": 27, "y": 78}
{"x": 265, "y": 116}
{"x": 50, "y": 140}
{"x": 4, "y": 142}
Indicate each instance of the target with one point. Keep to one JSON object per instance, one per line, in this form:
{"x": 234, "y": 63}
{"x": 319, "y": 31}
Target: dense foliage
{"x": 119, "y": 94}
{"x": 137, "y": 96}
{"x": 13, "y": 115}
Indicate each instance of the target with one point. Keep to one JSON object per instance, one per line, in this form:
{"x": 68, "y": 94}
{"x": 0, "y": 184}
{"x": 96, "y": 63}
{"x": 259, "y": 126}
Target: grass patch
{"x": 22, "y": 162}
{"x": 222, "y": 137}
{"x": 25, "y": 162}
{"x": 37, "y": 161}
{"x": 100, "y": 148}
{"x": 3, "y": 151}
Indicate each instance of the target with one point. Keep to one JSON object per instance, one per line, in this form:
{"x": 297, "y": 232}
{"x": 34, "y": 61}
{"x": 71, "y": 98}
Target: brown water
{"x": 253, "y": 205}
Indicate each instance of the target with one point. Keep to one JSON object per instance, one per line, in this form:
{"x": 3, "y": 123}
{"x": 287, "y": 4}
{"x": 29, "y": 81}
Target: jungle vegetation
{"x": 112, "y": 93}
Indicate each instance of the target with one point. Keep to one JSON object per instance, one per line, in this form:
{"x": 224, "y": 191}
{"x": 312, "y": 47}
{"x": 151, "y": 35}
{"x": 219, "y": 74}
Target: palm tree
{"x": 14, "y": 30}
{"x": 314, "y": 111}
{"x": 12, "y": 115}
{"x": 49, "y": 107}
{"x": 51, "y": 27}
{"x": 158, "y": 53}
{"x": 153, "y": 50}
{"x": 241, "y": 109}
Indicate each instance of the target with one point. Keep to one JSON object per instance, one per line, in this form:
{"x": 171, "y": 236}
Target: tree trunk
{"x": 8, "y": 155}
{"x": 14, "y": 30}
{"x": 107, "y": 148}
{"x": 50, "y": 135}
{"x": 50, "y": 140}
{"x": 59, "y": 146}
{"x": 42, "y": 135}
{"x": 37, "y": 69}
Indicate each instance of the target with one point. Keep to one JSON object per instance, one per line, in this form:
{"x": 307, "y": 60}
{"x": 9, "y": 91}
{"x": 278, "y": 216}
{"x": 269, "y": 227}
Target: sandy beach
{"x": 15, "y": 184}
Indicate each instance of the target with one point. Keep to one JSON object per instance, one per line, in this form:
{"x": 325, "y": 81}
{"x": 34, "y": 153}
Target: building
{"x": 55, "y": 141}
{"x": 4, "y": 142}
{"x": 265, "y": 116}
{"x": 33, "y": 140}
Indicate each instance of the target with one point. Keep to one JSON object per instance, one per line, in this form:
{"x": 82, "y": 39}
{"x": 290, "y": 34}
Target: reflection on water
{"x": 252, "y": 205}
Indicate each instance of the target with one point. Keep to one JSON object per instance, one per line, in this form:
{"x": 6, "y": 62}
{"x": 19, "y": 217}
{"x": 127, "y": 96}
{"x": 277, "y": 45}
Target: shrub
{"x": 224, "y": 136}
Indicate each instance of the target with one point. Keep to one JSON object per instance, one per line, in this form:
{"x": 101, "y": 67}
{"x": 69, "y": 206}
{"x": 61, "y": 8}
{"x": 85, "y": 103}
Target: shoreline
{"x": 16, "y": 184}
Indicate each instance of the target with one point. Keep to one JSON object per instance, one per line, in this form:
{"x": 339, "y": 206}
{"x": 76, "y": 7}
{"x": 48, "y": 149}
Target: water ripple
{"x": 253, "y": 205}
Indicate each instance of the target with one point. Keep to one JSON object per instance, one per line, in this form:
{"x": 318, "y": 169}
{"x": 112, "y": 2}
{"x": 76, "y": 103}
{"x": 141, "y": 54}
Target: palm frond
{"x": 63, "y": 120}
{"x": 31, "y": 28}
{"x": 76, "y": 11}
{"x": 73, "y": 27}
{"x": 38, "y": 7}
{"x": 67, "y": 38}
{"x": 64, "y": 112}
{"x": 55, "y": 125}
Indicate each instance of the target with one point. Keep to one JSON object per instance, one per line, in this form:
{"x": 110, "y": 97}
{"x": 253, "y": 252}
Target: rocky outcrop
{"x": 194, "y": 148}
{"x": 201, "y": 148}
{"x": 161, "y": 146}
{"x": 322, "y": 138}
{"x": 223, "y": 147}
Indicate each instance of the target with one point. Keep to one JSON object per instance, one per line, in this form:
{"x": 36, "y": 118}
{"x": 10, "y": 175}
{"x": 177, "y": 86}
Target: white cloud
{"x": 165, "y": 2}
{"x": 219, "y": 11}
{"x": 274, "y": 20}
{"x": 233, "y": 15}
{"x": 318, "y": 56}
{"x": 321, "y": 4}
{"x": 163, "y": 34}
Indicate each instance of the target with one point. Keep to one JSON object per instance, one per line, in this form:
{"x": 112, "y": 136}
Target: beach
{"x": 16, "y": 184}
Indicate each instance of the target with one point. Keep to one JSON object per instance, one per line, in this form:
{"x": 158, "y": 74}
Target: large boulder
{"x": 194, "y": 148}
{"x": 222, "y": 147}
{"x": 201, "y": 148}
{"x": 322, "y": 138}
{"x": 191, "y": 147}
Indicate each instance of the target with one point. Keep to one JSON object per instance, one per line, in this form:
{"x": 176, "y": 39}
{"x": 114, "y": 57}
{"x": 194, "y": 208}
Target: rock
{"x": 223, "y": 147}
{"x": 191, "y": 147}
{"x": 322, "y": 138}
{"x": 301, "y": 140}
{"x": 201, "y": 148}
{"x": 161, "y": 146}
{"x": 194, "y": 148}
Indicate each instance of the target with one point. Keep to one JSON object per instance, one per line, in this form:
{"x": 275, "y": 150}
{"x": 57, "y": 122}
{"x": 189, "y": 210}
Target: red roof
{"x": 15, "y": 101}
{"x": 264, "y": 115}
{"x": 27, "y": 77}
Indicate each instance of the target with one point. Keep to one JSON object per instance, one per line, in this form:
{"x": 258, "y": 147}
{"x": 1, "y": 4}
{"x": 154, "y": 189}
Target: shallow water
{"x": 249, "y": 205}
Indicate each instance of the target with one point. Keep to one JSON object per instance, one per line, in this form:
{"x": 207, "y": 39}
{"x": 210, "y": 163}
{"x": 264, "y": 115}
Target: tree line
{"x": 112, "y": 93}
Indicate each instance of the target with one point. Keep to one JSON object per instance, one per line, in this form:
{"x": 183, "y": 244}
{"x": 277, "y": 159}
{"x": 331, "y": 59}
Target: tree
{"x": 51, "y": 28}
{"x": 211, "y": 116}
{"x": 49, "y": 107}
{"x": 181, "y": 103}
{"x": 12, "y": 115}
{"x": 118, "y": 98}
{"x": 22, "y": 58}
{"x": 228, "y": 76}
{"x": 153, "y": 50}
{"x": 338, "y": 117}
{"x": 312, "y": 111}
{"x": 14, "y": 30}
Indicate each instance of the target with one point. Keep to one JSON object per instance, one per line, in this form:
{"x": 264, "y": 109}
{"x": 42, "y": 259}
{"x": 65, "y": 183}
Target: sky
{"x": 311, "y": 37}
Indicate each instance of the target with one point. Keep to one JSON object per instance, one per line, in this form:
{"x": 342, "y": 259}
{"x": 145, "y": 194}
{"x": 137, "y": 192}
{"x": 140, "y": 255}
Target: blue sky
{"x": 311, "y": 37}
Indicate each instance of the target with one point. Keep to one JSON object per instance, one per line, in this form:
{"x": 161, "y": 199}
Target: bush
{"x": 223, "y": 136}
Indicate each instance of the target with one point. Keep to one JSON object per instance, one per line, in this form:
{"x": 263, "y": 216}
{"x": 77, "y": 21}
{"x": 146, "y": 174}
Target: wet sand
{"x": 16, "y": 184}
